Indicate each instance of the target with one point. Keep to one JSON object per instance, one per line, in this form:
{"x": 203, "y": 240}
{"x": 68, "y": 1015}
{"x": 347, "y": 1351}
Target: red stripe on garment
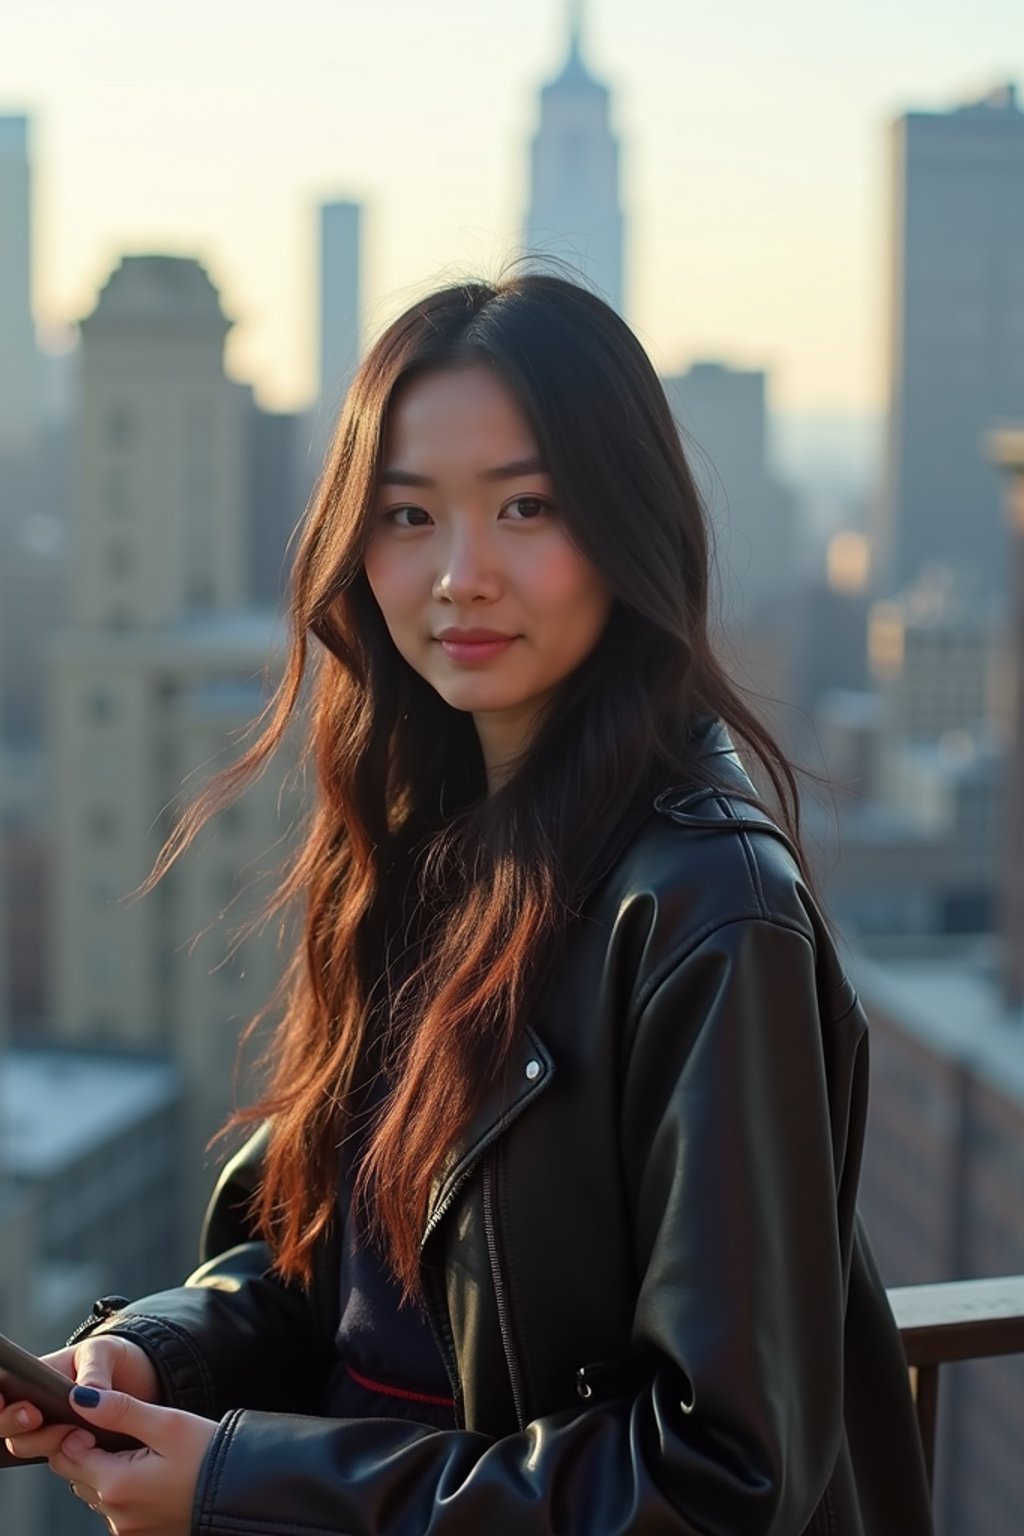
{"x": 409, "y": 1397}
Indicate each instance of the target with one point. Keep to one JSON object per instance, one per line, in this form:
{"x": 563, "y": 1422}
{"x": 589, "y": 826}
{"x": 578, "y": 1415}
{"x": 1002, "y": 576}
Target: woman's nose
{"x": 467, "y": 569}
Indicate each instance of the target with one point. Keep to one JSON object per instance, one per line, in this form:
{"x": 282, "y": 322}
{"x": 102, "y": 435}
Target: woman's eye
{"x": 393, "y": 514}
{"x": 534, "y": 504}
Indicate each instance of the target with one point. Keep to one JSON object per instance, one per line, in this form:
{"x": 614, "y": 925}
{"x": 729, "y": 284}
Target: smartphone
{"x": 26, "y": 1378}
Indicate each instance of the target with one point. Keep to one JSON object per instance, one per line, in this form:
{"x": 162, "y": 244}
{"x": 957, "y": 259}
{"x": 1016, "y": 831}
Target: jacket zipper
{"x": 436, "y": 1301}
{"x": 433, "y": 1290}
{"x": 437, "y": 1312}
{"x": 515, "y": 1375}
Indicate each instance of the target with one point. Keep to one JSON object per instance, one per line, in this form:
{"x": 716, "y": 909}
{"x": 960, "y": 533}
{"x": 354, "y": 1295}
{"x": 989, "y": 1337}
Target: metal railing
{"x": 959, "y": 1320}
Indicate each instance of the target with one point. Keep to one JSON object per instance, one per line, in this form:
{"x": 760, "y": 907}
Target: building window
{"x": 101, "y": 822}
{"x": 104, "y": 962}
{"x": 120, "y": 558}
{"x": 118, "y": 501}
{"x": 101, "y": 705}
{"x": 121, "y": 427}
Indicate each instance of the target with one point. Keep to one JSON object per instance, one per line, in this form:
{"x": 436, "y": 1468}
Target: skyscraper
{"x": 722, "y": 412}
{"x": 1006, "y": 448}
{"x": 20, "y": 364}
{"x": 340, "y": 315}
{"x": 160, "y": 672}
{"x": 574, "y": 210}
{"x": 956, "y": 349}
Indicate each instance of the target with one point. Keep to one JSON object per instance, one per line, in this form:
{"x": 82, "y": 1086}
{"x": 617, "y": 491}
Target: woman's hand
{"x": 148, "y": 1492}
{"x": 103, "y": 1361}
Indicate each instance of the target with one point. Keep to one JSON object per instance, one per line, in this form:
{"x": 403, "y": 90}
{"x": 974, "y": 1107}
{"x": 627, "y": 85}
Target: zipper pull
{"x": 601, "y": 1373}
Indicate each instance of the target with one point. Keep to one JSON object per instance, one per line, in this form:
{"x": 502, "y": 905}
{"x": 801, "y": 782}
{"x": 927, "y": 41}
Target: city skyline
{"x": 773, "y": 258}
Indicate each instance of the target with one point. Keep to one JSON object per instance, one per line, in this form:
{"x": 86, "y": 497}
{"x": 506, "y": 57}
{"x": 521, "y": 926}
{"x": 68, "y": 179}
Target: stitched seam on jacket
{"x": 519, "y": 1339}
{"x": 214, "y": 1475}
{"x": 748, "y": 854}
{"x": 159, "y": 1345}
{"x": 694, "y": 940}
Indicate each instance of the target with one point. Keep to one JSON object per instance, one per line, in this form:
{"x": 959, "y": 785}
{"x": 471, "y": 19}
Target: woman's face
{"x": 466, "y": 535}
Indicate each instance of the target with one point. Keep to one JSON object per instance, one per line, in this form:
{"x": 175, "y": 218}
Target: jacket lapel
{"x": 529, "y": 1070}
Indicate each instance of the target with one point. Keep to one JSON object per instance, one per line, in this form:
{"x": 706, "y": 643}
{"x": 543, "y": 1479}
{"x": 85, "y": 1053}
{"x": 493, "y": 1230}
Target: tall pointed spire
{"x": 574, "y": 210}
{"x": 576, "y": 27}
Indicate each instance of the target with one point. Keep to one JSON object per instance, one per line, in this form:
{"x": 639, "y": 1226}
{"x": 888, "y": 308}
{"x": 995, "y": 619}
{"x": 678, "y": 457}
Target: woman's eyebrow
{"x": 530, "y": 466}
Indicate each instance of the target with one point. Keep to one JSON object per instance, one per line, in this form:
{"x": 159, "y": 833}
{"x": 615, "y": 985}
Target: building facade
{"x": 575, "y": 210}
{"x": 21, "y": 372}
{"x": 155, "y": 680}
{"x": 956, "y": 337}
{"x": 340, "y": 316}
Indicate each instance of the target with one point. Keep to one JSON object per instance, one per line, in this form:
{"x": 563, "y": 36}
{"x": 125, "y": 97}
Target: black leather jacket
{"x": 644, "y": 1266}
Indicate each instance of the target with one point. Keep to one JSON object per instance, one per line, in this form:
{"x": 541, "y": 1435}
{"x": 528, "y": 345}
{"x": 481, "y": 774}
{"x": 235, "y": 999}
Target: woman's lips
{"x": 476, "y": 650}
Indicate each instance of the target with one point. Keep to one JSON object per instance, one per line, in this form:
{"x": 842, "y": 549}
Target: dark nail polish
{"x": 86, "y": 1397}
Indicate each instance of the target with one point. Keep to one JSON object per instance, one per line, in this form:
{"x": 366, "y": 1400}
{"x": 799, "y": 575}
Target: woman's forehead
{"x": 466, "y": 415}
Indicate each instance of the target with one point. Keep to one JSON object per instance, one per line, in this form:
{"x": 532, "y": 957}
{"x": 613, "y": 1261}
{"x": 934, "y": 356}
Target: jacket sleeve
{"x": 233, "y": 1332}
{"x": 736, "y": 1424}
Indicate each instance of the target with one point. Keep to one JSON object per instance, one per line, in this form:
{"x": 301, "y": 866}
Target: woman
{"x": 549, "y": 1222}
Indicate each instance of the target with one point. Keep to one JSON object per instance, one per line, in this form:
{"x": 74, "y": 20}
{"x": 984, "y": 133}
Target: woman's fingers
{"x": 16, "y": 1416}
{"x": 46, "y": 1441}
{"x": 36, "y": 1438}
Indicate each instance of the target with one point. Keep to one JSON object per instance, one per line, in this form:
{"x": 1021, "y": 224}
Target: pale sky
{"x": 754, "y": 155}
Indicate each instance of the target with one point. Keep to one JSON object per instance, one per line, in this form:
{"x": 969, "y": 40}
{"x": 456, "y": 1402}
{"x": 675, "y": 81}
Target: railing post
{"x": 924, "y": 1383}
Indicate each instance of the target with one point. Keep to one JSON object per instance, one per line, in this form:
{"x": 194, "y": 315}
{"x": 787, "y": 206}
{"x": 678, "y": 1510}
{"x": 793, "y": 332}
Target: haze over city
{"x": 813, "y": 223}
{"x": 753, "y": 139}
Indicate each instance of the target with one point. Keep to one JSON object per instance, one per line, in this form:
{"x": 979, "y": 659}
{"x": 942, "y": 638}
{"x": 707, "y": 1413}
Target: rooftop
{"x": 954, "y": 1007}
{"x": 159, "y": 289}
{"x": 56, "y": 1107}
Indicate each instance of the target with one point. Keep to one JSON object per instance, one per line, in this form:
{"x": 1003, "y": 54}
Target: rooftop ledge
{"x": 957, "y": 1320}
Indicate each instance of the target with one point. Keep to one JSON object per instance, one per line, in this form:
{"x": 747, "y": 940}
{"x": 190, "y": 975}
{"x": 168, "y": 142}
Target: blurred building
{"x": 826, "y": 623}
{"x": 341, "y": 318}
{"x": 158, "y": 520}
{"x": 940, "y": 1193}
{"x": 34, "y": 495}
{"x": 721, "y": 414}
{"x": 935, "y": 654}
{"x": 92, "y": 1138}
{"x": 26, "y": 850}
{"x": 161, "y": 671}
{"x": 21, "y": 1491}
{"x": 575, "y": 211}
{"x": 275, "y": 496}
{"x": 956, "y": 345}
{"x": 919, "y": 763}
{"x": 757, "y": 565}
{"x": 1006, "y": 449}
{"x": 21, "y": 375}
{"x": 89, "y": 1159}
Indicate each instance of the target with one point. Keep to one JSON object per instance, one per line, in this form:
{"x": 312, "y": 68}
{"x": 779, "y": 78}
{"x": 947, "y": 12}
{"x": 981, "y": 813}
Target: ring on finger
{"x": 79, "y": 1494}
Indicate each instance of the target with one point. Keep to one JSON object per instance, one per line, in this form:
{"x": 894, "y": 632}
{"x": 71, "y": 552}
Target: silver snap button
{"x": 533, "y": 1070}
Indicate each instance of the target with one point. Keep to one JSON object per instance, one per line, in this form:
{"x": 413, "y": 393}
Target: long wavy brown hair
{"x": 431, "y": 911}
